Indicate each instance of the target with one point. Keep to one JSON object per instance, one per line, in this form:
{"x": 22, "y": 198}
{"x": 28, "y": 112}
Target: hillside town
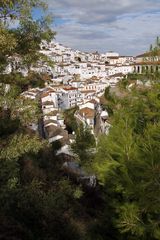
{"x": 79, "y": 120}
{"x": 78, "y": 80}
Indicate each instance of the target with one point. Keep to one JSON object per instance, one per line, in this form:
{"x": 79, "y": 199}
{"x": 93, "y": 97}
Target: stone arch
{"x": 147, "y": 68}
{"x": 157, "y": 68}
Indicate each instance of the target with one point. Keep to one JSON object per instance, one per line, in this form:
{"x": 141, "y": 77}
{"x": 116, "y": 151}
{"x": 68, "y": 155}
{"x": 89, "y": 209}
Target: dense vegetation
{"x": 34, "y": 200}
{"x": 37, "y": 200}
{"x": 127, "y": 165}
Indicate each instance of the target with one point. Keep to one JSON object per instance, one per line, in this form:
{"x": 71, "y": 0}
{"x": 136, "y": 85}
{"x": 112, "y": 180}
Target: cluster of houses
{"x": 79, "y": 79}
{"x": 54, "y": 99}
{"x": 87, "y": 65}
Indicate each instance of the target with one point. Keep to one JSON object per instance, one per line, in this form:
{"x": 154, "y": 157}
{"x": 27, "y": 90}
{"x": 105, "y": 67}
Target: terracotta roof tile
{"x": 70, "y": 88}
{"x": 87, "y": 112}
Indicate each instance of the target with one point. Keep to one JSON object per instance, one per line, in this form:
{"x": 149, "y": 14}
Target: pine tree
{"x": 127, "y": 165}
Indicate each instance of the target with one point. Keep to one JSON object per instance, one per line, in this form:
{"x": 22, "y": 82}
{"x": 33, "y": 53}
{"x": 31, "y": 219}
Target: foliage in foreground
{"x": 36, "y": 199}
{"x": 128, "y": 166}
{"x": 34, "y": 202}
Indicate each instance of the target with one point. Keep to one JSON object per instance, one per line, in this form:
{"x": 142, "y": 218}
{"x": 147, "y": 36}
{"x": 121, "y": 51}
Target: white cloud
{"x": 126, "y": 26}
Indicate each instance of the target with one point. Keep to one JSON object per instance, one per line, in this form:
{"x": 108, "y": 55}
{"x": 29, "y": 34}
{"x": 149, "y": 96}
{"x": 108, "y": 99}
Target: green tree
{"x": 127, "y": 165}
{"x": 23, "y": 42}
{"x": 25, "y": 198}
{"x": 84, "y": 145}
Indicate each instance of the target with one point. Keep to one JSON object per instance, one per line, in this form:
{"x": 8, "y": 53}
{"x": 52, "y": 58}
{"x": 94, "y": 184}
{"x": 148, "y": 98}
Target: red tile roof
{"x": 87, "y": 112}
{"x": 70, "y": 88}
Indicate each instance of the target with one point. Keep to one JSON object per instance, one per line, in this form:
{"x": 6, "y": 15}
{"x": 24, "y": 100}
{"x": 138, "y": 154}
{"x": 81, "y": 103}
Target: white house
{"x": 68, "y": 97}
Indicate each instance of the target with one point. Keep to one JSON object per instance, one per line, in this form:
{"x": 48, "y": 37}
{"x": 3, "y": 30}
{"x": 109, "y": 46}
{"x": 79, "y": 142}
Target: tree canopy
{"x": 127, "y": 165}
{"x": 31, "y": 206}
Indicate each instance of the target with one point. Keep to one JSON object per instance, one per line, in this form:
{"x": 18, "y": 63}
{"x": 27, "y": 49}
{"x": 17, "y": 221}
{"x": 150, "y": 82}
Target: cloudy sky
{"x": 126, "y": 26}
